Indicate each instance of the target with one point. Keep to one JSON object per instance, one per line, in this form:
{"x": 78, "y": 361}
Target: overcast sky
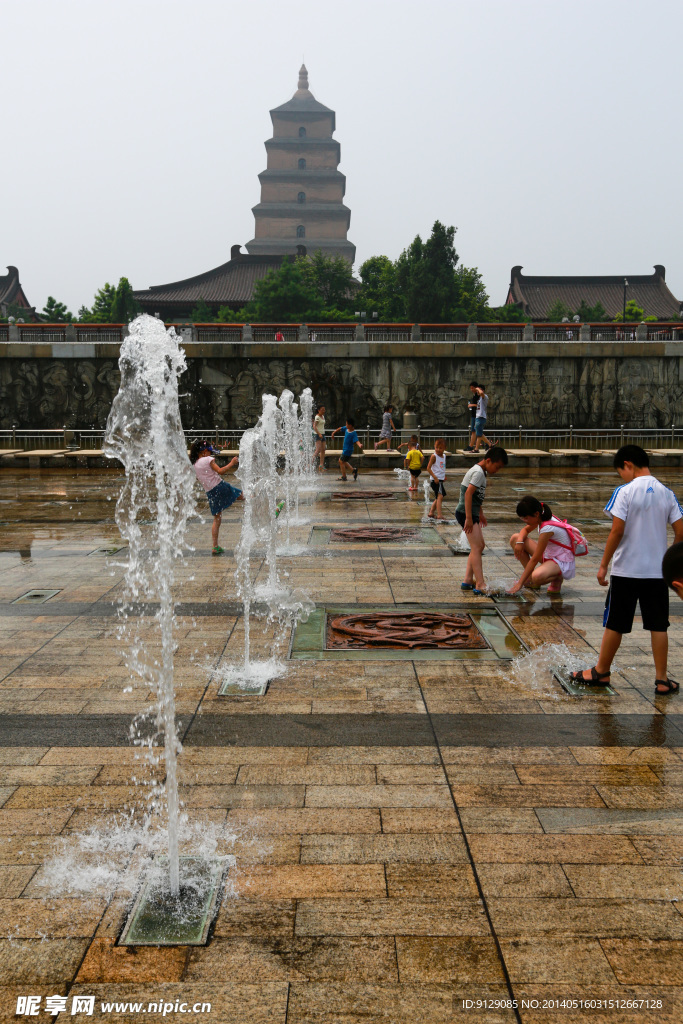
{"x": 547, "y": 131}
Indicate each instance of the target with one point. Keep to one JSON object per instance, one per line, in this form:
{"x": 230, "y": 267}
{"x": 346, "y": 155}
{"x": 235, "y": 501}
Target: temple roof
{"x": 11, "y": 290}
{"x": 232, "y": 282}
{"x": 649, "y": 291}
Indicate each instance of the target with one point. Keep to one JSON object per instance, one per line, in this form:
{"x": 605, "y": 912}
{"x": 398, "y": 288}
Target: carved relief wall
{"x": 543, "y": 392}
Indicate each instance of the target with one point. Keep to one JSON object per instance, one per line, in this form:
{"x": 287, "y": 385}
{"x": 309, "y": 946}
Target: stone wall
{"x": 533, "y": 384}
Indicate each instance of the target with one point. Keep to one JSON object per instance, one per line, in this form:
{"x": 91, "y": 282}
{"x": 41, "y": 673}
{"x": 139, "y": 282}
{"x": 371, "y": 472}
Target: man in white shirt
{"x": 640, "y": 510}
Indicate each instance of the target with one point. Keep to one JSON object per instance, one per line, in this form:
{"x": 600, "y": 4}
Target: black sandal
{"x": 596, "y": 679}
{"x": 671, "y": 687}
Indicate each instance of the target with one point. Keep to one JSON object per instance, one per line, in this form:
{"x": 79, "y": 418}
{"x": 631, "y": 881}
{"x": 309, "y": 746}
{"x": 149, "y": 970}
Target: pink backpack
{"x": 578, "y": 545}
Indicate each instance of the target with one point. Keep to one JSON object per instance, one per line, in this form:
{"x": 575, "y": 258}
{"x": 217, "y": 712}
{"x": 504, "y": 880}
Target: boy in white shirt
{"x": 640, "y": 510}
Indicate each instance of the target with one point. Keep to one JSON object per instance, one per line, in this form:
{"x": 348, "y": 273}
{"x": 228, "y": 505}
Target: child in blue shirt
{"x": 350, "y": 441}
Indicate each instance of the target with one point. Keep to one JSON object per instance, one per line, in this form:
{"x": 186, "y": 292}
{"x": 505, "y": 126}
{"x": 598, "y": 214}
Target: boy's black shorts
{"x": 462, "y": 518}
{"x": 415, "y": 472}
{"x": 624, "y": 593}
{"x": 438, "y": 487}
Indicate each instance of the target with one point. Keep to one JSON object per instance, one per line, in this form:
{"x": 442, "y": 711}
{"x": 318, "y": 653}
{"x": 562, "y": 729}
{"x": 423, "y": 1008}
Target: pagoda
{"x": 302, "y": 190}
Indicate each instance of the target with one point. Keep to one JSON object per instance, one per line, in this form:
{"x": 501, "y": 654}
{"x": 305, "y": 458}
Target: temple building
{"x": 302, "y": 191}
{"x": 301, "y": 210}
{"x": 12, "y": 296}
{"x": 536, "y": 295}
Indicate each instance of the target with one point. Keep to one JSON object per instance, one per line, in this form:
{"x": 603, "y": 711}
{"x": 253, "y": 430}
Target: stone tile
{"x": 643, "y": 797}
{"x": 296, "y": 881}
{"x": 30, "y": 797}
{"x": 584, "y": 917}
{"x": 430, "y": 880}
{"x": 243, "y": 796}
{"x": 638, "y": 962}
{"x": 523, "y": 880}
{"x": 244, "y": 915}
{"x": 108, "y": 963}
{"x": 396, "y": 819}
{"x": 298, "y": 821}
{"x": 232, "y": 755}
{"x": 568, "y": 960}
{"x": 58, "y": 918}
{"x": 384, "y": 848}
{"x": 626, "y": 755}
{"x": 410, "y": 775}
{"x": 554, "y": 849}
{"x": 14, "y": 879}
{"x": 482, "y": 775}
{"x": 48, "y": 775}
{"x": 343, "y": 1003}
{"x": 634, "y": 881}
{"x": 377, "y": 796}
{"x": 391, "y": 917}
{"x": 309, "y": 775}
{"x": 594, "y": 821}
{"x": 40, "y": 962}
{"x": 21, "y": 755}
{"x": 296, "y": 959}
{"x": 659, "y": 849}
{"x": 464, "y": 961}
{"x": 257, "y": 1003}
{"x": 526, "y": 796}
{"x": 373, "y": 755}
{"x": 500, "y": 819}
{"x": 592, "y": 775}
{"x": 33, "y": 823}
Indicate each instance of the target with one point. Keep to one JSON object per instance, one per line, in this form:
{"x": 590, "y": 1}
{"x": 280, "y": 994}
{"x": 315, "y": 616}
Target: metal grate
{"x": 36, "y": 596}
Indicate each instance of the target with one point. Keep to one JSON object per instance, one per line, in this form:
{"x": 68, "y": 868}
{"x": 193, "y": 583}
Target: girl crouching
{"x": 550, "y": 559}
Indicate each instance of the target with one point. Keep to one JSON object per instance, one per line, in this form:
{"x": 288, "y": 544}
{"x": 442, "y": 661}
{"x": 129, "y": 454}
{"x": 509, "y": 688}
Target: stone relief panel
{"x": 586, "y": 392}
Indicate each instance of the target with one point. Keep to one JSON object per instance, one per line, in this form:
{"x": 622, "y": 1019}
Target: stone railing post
{"x": 473, "y": 333}
{"x": 360, "y": 332}
{"x": 303, "y": 333}
{"x": 246, "y": 333}
{"x": 13, "y": 334}
{"x": 585, "y": 332}
{"x": 416, "y": 333}
{"x": 124, "y": 331}
{"x": 641, "y": 331}
{"x": 528, "y": 333}
{"x": 70, "y": 333}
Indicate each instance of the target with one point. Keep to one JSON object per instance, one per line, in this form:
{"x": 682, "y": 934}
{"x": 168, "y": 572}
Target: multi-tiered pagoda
{"x": 302, "y": 191}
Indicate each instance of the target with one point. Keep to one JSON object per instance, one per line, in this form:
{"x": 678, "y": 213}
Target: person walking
{"x": 472, "y": 413}
{"x": 436, "y": 467}
{"x": 480, "y": 418}
{"x": 319, "y": 437}
{"x": 350, "y": 441}
{"x": 387, "y": 428}
{"x": 640, "y": 510}
{"x": 219, "y": 492}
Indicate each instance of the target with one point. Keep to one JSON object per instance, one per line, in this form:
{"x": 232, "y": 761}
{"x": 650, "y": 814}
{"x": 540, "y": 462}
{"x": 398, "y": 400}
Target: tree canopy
{"x": 56, "y": 312}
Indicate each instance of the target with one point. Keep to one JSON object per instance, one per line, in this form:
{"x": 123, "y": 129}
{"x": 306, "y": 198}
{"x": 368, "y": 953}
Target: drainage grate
{"x": 158, "y": 918}
{"x": 110, "y": 551}
{"x": 36, "y": 596}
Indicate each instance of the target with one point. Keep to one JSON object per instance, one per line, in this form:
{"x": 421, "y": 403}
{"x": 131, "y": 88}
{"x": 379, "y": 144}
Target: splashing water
{"x": 535, "y": 669}
{"x": 402, "y": 474}
{"x": 278, "y": 427}
{"x": 462, "y": 544}
{"x": 145, "y": 433}
{"x": 427, "y": 493}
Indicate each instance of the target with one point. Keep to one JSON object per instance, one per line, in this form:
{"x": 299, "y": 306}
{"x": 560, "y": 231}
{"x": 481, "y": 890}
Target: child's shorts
{"x": 438, "y": 487}
{"x": 623, "y": 595}
{"x": 415, "y": 472}
{"x": 461, "y": 517}
{"x": 346, "y": 456}
{"x": 479, "y": 425}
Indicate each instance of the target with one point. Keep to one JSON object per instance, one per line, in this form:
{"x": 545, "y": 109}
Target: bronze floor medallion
{"x": 404, "y": 631}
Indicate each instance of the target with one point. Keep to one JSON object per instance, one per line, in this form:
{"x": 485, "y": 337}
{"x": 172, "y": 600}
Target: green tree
{"x": 379, "y": 291}
{"x": 473, "y": 302}
{"x": 19, "y": 313}
{"x": 633, "y": 313}
{"x": 331, "y": 277}
{"x": 56, "y": 312}
{"x": 426, "y": 276}
{"x": 284, "y": 295}
{"x": 591, "y": 314}
{"x": 202, "y": 313}
{"x": 510, "y": 313}
{"x": 101, "y": 307}
{"x": 124, "y": 307}
{"x": 227, "y": 315}
{"x": 558, "y": 311}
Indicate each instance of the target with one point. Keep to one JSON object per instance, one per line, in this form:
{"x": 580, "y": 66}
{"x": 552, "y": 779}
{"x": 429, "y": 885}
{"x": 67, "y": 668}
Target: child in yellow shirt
{"x": 413, "y": 460}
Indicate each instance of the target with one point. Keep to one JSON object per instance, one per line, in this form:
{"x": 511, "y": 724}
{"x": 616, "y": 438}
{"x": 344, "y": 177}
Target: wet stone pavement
{"x": 431, "y": 831}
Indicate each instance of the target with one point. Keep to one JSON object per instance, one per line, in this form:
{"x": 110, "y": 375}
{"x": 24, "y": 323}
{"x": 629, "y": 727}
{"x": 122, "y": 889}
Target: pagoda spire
{"x": 302, "y": 91}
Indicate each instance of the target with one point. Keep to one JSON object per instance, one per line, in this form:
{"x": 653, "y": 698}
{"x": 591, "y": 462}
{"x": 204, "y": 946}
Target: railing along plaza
{"x": 324, "y": 333}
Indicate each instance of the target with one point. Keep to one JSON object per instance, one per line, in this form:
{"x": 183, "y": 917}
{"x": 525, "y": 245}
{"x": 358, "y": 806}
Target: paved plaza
{"x": 431, "y": 827}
